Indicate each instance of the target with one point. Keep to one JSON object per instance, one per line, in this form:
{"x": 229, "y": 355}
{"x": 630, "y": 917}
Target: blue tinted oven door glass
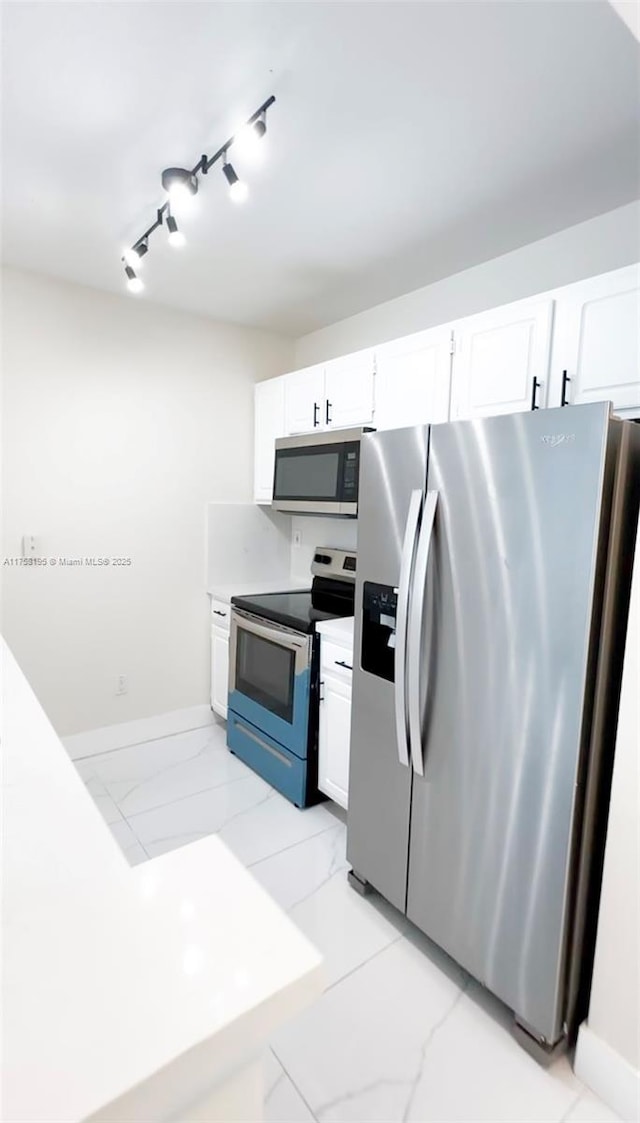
{"x": 270, "y": 679}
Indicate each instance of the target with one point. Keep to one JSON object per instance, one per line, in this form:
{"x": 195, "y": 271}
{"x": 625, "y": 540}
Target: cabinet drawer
{"x": 336, "y": 660}
{"x": 220, "y": 615}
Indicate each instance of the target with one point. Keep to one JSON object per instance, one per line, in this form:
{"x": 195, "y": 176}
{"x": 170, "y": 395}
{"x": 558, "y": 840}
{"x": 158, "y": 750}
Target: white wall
{"x": 247, "y": 543}
{"x": 604, "y": 243}
{"x": 121, "y": 421}
{"x": 612, "y": 1034}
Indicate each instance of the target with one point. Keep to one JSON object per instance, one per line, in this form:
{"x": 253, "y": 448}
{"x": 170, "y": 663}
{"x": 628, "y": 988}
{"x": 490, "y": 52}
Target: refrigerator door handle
{"x": 402, "y": 614}
{"x": 415, "y": 629}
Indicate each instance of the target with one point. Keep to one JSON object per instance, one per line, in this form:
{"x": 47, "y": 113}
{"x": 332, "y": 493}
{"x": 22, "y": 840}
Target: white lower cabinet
{"x": 219, "y": 671}
{"x": 220, "y": 617}
{"x": 335, "y": 731}
{"x": 336, "y": 663}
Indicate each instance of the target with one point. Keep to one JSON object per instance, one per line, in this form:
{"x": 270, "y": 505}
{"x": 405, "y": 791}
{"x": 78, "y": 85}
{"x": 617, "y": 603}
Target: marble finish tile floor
{"x": 401, "y": 1034}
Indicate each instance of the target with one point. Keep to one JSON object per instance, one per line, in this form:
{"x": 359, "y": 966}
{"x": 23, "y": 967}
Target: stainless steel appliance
{"x": 317, "y": 473}
{"x": 494, "y": 565}
{"x": 272, "y": 716}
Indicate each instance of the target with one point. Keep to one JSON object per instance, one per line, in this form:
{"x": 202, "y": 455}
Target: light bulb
{"x": 238, "y": 191}
{"x": 176, "y": 237}
{"x": 179, "y": 192}
{"x": 132, "y": 257}
{"x": 247, "y": 140}
{"x": 134, "y": 284}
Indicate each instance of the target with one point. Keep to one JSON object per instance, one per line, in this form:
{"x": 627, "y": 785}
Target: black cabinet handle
{"x": 534, "y": 390}
{"x": 564, "y": 401}
{"x": 326, "y": 412}
{"x": 316, "y": 411}
{"x": 341, "y": 663}
{"x": 217, "y": 612}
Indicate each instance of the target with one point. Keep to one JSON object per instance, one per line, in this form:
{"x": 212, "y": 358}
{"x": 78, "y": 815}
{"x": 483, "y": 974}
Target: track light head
{"x": 134, "y": 284}
{"x": 179, "y": 184}
{"x": 134, "y": 255}
{"x": 176, "y": 237}
{"x": 237, "y": 189}
{"x": 246, "y": 141}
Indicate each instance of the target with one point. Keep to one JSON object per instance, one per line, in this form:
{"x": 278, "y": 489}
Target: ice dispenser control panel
{"x": 379, "y": 607}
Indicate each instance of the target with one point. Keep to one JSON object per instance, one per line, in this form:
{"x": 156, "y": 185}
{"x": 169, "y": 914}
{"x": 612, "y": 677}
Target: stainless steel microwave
{"x": 318, "y": 473}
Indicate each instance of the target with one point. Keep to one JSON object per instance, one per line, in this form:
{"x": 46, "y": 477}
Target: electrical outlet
{"x": 123, "y": 685}
{"x": 29, "y": 546}
{"x": 297, "y": 538}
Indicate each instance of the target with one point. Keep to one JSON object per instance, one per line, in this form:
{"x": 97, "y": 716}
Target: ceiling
{"x": 408, "y": 141}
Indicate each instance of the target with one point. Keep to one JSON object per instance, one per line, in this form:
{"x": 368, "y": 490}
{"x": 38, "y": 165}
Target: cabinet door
{"x": 304, "y": 400}
{"x": 268, "y": 424}
{"x": 348, "y": 391}
{"x": 219, "y": 671}
{"x": 497, "y": 356}
{"x": 413, "y": 378}
{"x": 333, "y": 747}
{"x": 597, "y": 341}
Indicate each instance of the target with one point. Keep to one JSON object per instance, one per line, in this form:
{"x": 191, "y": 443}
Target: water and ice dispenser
{"x": 379, "y": 607}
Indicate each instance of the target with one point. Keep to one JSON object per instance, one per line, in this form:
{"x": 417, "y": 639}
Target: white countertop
{"x": 225, "y": 592}
{"x": 341, "y": 630}
{"x": 112, "y": 974}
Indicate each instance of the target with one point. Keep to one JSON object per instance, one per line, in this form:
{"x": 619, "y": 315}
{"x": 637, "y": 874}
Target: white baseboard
{"x": 110, "y": 737}
{"x": 608, "y": 1074}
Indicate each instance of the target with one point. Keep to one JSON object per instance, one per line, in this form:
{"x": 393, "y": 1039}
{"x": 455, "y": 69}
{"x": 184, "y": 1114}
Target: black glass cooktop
{"x": 301, "y": 609}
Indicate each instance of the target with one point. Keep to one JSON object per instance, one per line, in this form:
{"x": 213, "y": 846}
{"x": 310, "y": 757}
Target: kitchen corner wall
{"x": 608, "y": 241}
{"x": 121, "y": 421}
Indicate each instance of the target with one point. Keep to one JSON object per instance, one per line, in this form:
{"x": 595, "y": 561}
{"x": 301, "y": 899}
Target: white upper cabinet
{"x": 498, "y": 356}
{"x": 348, "y": 391}
{"x": 304, "y": 400}
{"x": 597, "y": 341}
{"x": 333, "y": 395}
{"x": 413, "y": 379}
{"x": 268, "y": 425}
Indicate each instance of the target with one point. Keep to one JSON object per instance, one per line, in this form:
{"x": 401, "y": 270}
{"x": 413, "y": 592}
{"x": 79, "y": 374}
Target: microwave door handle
{"x": 402, "y": 613}
{"x": 414, "y": 638}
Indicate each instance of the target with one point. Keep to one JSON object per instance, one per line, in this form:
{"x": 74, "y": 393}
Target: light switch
{"x": 29, "y": 544}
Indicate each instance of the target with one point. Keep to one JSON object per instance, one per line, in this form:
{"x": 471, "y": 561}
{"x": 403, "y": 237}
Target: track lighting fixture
{"x": 176, "y": 237}
{"x": 134, "y": 255}
{"x": 247, "y": 141}
{"x": 179, "y": 184}
{"x": 237, "y": 189}
{"x": 182, "y": 184}
{"x": 134, "y": 284}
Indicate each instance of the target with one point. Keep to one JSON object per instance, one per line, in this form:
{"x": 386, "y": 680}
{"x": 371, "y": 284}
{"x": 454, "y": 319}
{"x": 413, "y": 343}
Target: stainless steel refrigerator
{"x": 494, "y": 564}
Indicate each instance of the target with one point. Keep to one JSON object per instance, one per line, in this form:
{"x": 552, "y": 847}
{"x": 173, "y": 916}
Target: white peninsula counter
{"x": 137, "y": 994}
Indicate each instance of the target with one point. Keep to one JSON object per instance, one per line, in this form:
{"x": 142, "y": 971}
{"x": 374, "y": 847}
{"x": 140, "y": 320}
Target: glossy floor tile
{"x": 401, "y": 1035}
{"x": 309, "y": 881}
{"x": 282, "y": 1100}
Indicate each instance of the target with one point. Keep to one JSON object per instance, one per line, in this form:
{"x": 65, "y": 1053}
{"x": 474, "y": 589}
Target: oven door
{"x": 270, "y": 679}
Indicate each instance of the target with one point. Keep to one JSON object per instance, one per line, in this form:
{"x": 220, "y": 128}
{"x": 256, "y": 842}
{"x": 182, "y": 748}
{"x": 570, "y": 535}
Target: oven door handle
{"x": 274, "y": 634}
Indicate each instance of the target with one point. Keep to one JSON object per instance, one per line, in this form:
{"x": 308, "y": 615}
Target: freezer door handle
{"x": 402, "y": 613}
{"x": 414, "y": 637}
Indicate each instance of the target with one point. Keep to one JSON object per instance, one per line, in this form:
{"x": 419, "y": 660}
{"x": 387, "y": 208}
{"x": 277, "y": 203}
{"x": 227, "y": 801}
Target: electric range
{"x": 272, "y": 719}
